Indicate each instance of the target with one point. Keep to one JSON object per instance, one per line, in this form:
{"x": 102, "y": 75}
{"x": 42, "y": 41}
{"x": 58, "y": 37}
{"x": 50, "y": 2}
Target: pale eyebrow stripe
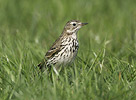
{"x": 72, "y": 22}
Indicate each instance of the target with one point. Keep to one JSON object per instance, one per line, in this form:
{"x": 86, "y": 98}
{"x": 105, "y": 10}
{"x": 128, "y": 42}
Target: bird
{"x": 64, "y": 49}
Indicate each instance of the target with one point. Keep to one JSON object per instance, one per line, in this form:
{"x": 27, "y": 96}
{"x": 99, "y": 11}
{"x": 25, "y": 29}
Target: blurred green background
{"x": 107, "y": 44}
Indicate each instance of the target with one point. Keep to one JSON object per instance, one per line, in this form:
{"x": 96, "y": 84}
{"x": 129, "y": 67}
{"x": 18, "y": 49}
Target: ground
{"x": 105, "y": 68}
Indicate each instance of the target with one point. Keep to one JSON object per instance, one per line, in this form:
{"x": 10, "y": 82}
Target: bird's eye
{"x": 74, "y": 24}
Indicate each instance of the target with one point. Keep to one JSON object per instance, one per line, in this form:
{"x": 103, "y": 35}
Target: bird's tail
{"x": 42, "y": 65}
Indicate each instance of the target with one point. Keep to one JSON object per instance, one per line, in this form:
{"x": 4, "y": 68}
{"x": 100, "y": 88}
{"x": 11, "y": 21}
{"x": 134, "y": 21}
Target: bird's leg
{"x": 55, "y": 70}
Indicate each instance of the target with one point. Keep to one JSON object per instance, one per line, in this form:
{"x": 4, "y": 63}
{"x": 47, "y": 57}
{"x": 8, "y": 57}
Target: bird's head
{"x": 73, "y": 26}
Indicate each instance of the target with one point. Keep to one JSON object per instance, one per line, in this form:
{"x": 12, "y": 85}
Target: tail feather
{"x": 42, "y": 66}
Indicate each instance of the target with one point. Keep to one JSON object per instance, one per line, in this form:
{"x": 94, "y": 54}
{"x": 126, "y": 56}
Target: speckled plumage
{"x": 65, "y": 48}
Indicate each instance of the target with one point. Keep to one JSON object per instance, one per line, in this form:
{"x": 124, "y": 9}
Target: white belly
{"x": 67, "y": 54}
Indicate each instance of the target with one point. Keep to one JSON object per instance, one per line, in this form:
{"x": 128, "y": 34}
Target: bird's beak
{"x": 82, "y": 24}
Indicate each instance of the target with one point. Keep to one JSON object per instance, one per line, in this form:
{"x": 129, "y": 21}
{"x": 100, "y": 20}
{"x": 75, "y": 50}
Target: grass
{"x": 107, "y": 46}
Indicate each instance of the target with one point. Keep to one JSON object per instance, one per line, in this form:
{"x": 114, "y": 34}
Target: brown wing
{"x": 51, "y": 52}
{"x": 54, "y": 49}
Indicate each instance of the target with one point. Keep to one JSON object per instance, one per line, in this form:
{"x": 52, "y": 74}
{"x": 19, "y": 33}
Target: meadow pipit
{"x": 65, "y": 48}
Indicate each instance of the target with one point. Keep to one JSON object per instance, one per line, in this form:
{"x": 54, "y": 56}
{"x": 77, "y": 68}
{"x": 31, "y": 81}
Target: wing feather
{"x": 55, "y": 48}
{"x": 52, "y": 52}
